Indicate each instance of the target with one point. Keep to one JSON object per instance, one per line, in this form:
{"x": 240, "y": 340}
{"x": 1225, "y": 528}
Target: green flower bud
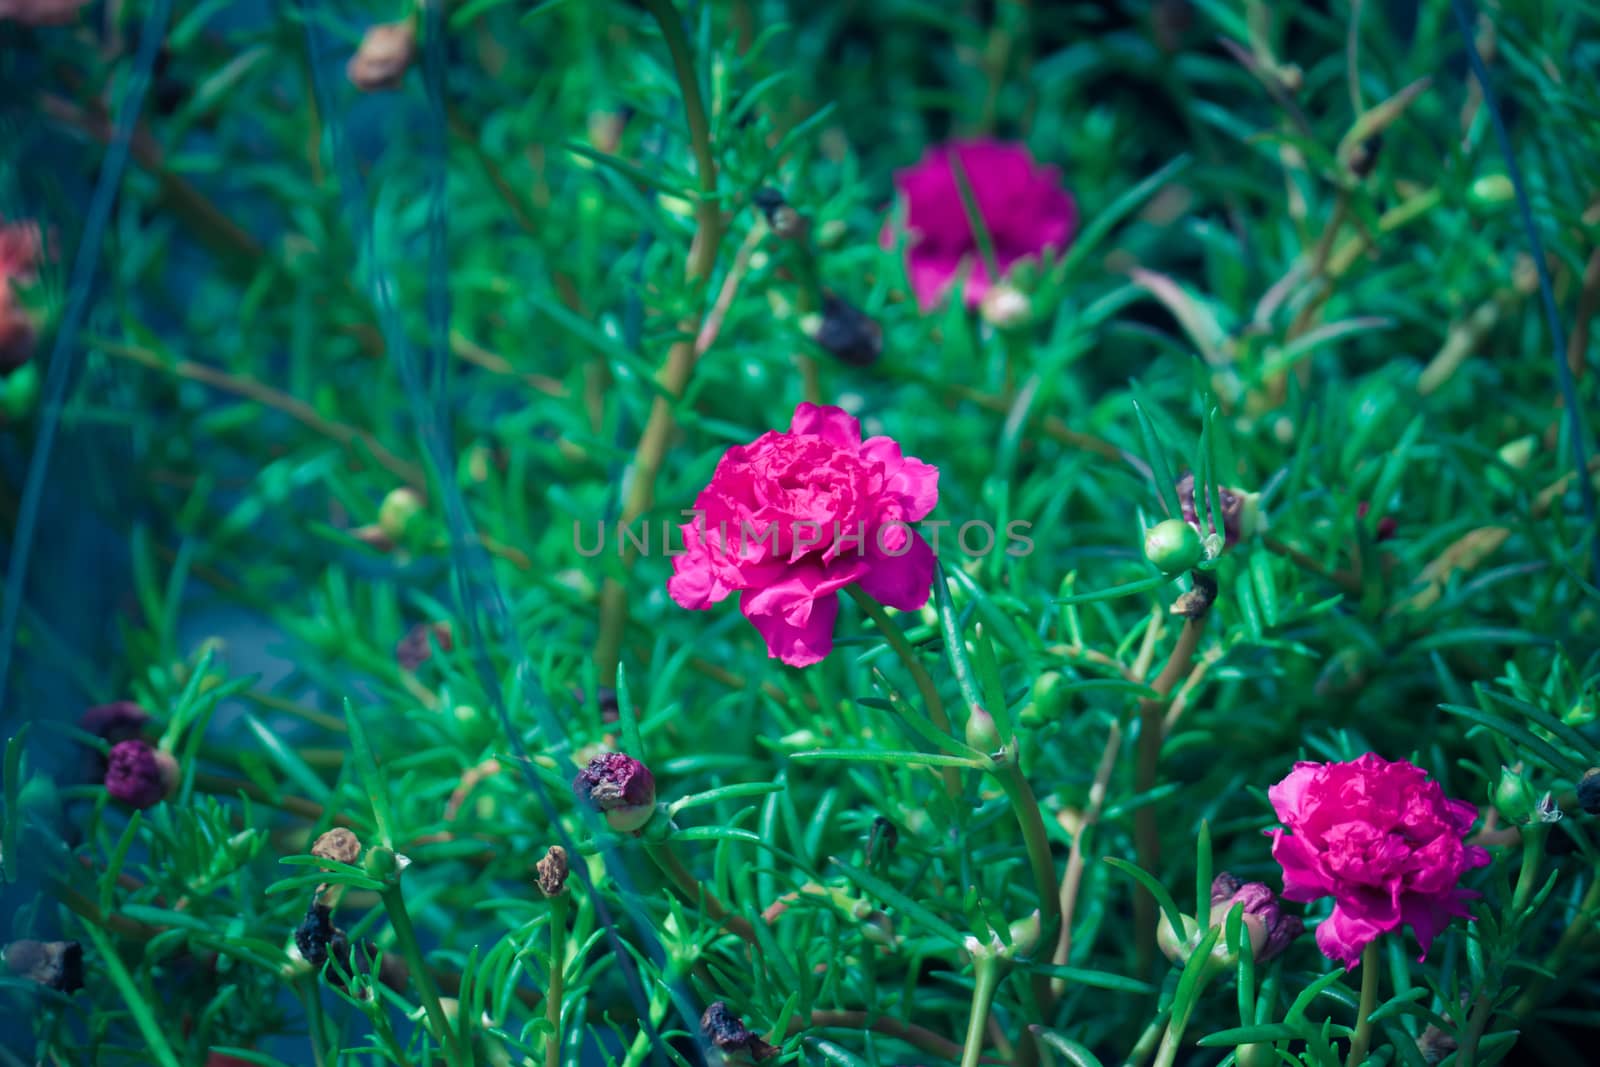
{"x": 1025, "y": 936}
{"x": 382, "y": 863}
{"x": 19, "y": 391}
{"x": 1005, "y": 307}
{"x": 1045, "y": 701}
{"x": 1491, "y": 190}
{"x": 981, "y": 731}
{"x": 400, "y": 509}
{"x": 1514, "y": 796}
{"x": 1167, "y": 939}
{"x": 1173, "y": 546}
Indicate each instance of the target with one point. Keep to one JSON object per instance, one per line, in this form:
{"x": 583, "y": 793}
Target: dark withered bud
{"x": 1435, "y": 1045}
{"x": 1169, "y": 22}
{"x": 339, "y": 845}
{"x": 140, "y": 775}
{"x": 785, "y": 221}
{"x": 605, "y": 698}
{"x": 385, "y": 53}
{"x": 845, "y": 332}
{"x": 313, "y": 936}
{"x": 553, "y": 872}
{"x": 1387, "y": 525}
{"x": 116, "y": 722}
{"x": 56, "y": 965}
{"x": 1589, "y": 791}
{"x": 1240, "y": 515}
{"x": 1270, "y": 930}
{"x": 728, "y": 1032}
{"x": 1364, "y": 155}
{"x": 17, "y": 338}
{"x": 416, "y": 647}
{"x": 620, "y": 787}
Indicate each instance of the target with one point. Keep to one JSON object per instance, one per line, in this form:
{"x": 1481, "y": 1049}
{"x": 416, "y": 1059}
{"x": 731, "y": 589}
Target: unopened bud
{"x": 1589, "y": 791}
{"x": 982, "y": 734}
{"x": 1514, "y": 796}
{"x": 19, "y": 391}
{"x": 1006, "y": 307}
{"x": 140, "y": 775}
{"x": 339, "y": 845}
{"x": 1173, "y": 546}
{"x": 383, "y": 863}
{"x": 1045, "y": 700}
{"x": 398, "y": 511}
{"x": 1024, "y": 935}
{"x": 553, "y": 872}
{"x": 1167, "y": 939}
{"x": 845, "y": 332}
{"x": 56, "y": 965}
{"x": 1435, "y": 1045}
{"x": 1364, "y": 155}
{"x": 385, "y": 52}
{"x": 621, "y": 788}
{"x": 1491, "y": 190}
{"x": 1270, "y": 930}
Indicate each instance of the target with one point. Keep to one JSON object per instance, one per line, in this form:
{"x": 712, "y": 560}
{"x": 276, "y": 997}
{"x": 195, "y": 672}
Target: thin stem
{"x": 313, "y": 1001}
{"x": 1533, "y": 839}
{"x": 919, "y": 674}
{"x": 986, "y": 971}
{"x": 1072, "y": 878}
{"x": 696, "y": 891}
{"x": 1147, "y": 827}
{"x": 1037, "y": 842}
{"x": 1556, "y": 962}
{"x": 1361, "y": 1040}
{"x": 405, "y": 935}
{"x": 558, "y": 978}
{"x": 675, "y": 372}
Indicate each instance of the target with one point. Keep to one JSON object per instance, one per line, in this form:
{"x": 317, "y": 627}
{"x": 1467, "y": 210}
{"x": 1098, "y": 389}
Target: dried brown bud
{"x": 1435, "y": 1045}
{"x": 57, "y": 965}
{"x": 1241, "y": 517}
{"x": 385, "y": 53}
{"x": 845, "y": 332}
{"x": 416, "y": 648}
{"x": 553, "y": 872}
{"x": 339, "y": 845}
{"x": 728, "y": 1032}
{"x": 620, "y": 787}
{"x": 1589, "y": 791}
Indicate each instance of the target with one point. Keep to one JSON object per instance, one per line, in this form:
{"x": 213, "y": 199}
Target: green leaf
{"x": 1155, "y": 454}
{"x": 926, "y": 759}
{"x": 1169, "y": 907}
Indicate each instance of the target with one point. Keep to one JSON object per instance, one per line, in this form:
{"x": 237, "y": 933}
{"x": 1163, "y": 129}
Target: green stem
{"x": 405, "y": 935}
{"x": 313, "y": 1001}
{"x": 558, "y": 978}
{"x": 919, "y": 674}
{"x": 675, "y": 372}
{"x": 1556, "y": 962}
{"x": 986, "y": 972}
{"x": 1361, "y": 1040}
{"x": 695, "y": 891}
{"x": 1042, "y": 865}
{"x": 1533, "y": 838}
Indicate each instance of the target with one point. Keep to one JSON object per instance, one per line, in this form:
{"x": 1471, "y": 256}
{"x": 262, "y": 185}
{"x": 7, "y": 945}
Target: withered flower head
{"x": 139, "y": 775}
{"x": 1270, "y": 930}
{"x": 416, "y": 647}
{"x": 619, "y": 786}
{"x": 339, "y": 845}
{"x": 728, "y": 1032}
{"x": 57, "y": 965}
{"x": 553, "y": 872}
{"x": 1589, "y": 791}
{"x": 1239, "y": 516}
{"x": 385, "y": 53}
{"x": 846, "y": 332}
{"x": 115, "y": 722}
{"x": 315, "y": 934}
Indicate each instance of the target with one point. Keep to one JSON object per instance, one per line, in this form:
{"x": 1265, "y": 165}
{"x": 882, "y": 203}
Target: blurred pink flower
{"x": 41, "y": 12}
{"x": 21, "y": 248}
{"x": 1022, "y": 204}
{"x": 793, "y": 517}
{"x": 1383, "y": 840}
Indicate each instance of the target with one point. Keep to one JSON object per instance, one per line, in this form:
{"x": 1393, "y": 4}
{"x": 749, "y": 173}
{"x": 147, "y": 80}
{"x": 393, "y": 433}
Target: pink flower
{"x": 1381, "y": 839}
{"x": 41, "y": 12}
{"x": 793, "y": 517}
{"x": 21, "y": 248}
{"x": 1022, "y": 204}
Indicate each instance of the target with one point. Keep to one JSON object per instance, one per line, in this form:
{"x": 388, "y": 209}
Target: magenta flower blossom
{"x": 139, "y": 775}
{"x": 1383, "y": 840}
{"x": 795, "y": 516}
{"x": 1022, "y": 204}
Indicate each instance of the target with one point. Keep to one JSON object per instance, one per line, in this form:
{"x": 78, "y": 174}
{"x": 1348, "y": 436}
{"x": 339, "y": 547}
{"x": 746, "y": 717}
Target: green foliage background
{"x": 1301, "y": 272}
